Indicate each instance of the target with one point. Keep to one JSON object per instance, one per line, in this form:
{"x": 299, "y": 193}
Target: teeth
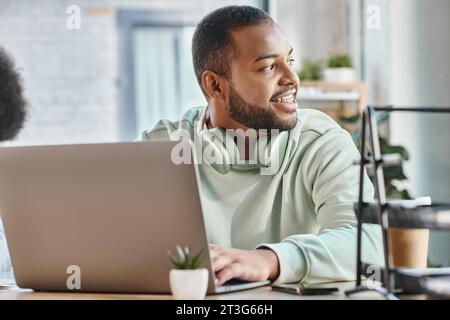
{"x": 287, "y": 99}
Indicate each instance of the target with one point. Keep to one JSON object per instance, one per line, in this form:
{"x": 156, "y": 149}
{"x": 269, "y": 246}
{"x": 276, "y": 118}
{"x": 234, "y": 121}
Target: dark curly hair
{"x": 13, "y": 105}
{"x": 212, "y": 44}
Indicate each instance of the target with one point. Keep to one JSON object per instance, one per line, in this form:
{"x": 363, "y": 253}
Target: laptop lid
{"x": 111, "y": 210}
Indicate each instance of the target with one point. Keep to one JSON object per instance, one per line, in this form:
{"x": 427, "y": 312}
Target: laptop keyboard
{"x": 234, "y": 282}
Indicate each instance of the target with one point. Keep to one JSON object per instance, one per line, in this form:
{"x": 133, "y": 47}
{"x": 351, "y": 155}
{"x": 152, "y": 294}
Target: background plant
{"x": 393, "y": 174}
{"x": 311, "y": 70}
{"x": 339, "y": 61}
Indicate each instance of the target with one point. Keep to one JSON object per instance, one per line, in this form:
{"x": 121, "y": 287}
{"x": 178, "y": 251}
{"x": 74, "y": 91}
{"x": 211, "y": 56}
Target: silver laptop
{"x": 109, "y": 212}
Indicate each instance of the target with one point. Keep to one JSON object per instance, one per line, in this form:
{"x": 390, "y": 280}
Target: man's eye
{"x": 291, "y": 62}
{"x": 269, "y": 68}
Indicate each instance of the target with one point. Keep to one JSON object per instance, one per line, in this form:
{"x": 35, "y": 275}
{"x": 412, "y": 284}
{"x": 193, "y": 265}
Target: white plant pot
{"x": 339, "y": 75}
{"x": 189, "y": 284}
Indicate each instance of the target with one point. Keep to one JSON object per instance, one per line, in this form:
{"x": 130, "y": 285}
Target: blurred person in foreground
{"x": 13, "y": 109}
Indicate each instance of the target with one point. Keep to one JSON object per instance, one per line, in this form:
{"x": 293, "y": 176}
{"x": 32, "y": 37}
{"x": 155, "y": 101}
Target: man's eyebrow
{"x": 271, "y": 56}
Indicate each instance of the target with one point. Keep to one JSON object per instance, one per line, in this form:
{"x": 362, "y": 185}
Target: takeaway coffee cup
{"x": 409, "y": 247}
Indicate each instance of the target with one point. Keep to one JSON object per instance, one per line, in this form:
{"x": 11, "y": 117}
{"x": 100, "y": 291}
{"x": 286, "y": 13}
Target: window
{"x": 165, "y": 83}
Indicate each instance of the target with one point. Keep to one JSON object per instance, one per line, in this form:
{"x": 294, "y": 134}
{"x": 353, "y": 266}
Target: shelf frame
{"x": 374, "y": 158}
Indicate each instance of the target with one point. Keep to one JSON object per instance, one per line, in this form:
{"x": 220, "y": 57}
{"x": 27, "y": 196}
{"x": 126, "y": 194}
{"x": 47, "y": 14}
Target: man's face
{"x": 263, "y": 84}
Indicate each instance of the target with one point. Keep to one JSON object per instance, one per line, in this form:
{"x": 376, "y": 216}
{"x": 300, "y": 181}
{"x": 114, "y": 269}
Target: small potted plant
{"x": 188, "y": 281}
{"x": 310, "y": 71}
{"x": 339, "y": 69}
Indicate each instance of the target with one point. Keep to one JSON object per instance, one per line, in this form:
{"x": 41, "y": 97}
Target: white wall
{"x": 421, "y": 77}
{"x": 314, "y": 28}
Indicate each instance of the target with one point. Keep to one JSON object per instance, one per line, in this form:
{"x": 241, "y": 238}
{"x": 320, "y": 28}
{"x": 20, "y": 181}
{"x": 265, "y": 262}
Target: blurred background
{"x": 104, "y": 70}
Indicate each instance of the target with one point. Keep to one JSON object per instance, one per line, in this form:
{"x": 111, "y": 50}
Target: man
{"x": 298, "y": 223}
{"x": 12, "y": 116}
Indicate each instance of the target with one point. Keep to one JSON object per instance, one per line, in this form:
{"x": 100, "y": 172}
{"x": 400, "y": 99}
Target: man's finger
{"x": 214, "y": 252}
{"x": 231, "y": 271}
{"x": 221, "y": 261}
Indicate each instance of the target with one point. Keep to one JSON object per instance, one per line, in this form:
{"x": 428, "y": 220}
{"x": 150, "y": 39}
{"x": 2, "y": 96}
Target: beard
{"x": 257, "y": 117}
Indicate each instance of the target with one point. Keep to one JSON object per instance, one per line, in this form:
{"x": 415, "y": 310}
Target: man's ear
{"x": 214, "y": 85}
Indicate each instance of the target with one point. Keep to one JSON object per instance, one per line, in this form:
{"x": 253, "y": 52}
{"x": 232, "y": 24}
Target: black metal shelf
{"x": 436, "y": 216}
{"x": 390, "y": 215}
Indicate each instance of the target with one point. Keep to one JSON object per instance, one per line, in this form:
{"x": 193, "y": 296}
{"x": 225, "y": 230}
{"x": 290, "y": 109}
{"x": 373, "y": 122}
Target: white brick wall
{"x": 71, "y": 76}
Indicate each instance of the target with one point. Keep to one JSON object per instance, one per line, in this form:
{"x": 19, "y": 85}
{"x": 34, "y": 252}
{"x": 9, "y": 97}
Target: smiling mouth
{"x": 288, "y": 97}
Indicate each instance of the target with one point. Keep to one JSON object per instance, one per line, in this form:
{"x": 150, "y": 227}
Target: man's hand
{"x": 247, "y": 265}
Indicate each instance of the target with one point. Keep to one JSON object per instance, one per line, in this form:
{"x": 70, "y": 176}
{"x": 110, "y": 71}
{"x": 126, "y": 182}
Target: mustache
{"x": 281, "y": 92}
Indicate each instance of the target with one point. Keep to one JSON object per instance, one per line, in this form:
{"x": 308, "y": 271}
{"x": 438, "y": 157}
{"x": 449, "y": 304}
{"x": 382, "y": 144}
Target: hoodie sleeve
{"x": 332, "y": 182}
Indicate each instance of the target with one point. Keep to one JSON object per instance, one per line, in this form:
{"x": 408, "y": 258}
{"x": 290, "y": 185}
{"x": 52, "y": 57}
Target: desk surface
{"x": 263, "y": 293}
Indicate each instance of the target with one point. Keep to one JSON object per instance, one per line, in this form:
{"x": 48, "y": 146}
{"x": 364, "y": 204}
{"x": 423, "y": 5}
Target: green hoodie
{"x": 303, "y": 212}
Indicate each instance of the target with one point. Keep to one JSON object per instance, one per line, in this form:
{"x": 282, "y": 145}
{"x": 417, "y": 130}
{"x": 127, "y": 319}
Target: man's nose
{"x": 289, "y": 77}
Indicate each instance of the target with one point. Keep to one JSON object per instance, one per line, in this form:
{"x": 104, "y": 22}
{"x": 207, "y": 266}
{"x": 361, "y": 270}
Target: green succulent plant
{"x": 339, "y": 61}
{"x": 184, "y": 258}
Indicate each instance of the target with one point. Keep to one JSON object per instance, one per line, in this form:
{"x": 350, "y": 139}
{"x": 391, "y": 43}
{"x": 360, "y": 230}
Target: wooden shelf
{"x": 328, "y": 96}
{"x": 334, "y": 91}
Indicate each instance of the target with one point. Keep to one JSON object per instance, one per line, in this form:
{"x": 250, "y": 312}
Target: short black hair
{"x": 12, "y": 102}
{"x": 213, "y": 44}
